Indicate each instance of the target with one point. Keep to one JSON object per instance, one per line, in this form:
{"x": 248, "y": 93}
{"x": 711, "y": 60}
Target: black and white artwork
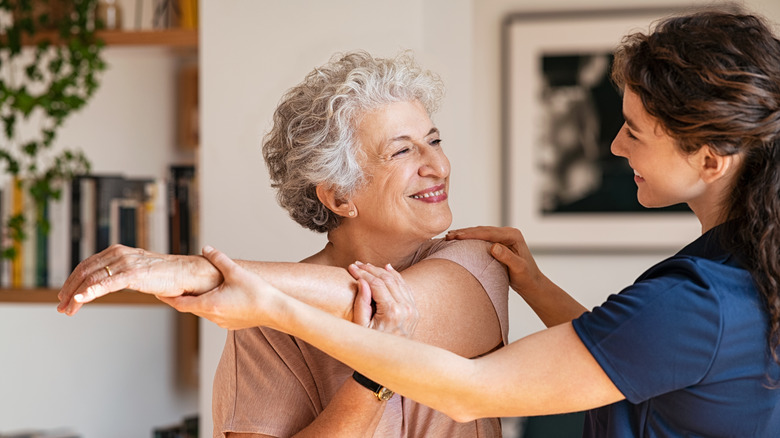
{"x": 562, "y": 186}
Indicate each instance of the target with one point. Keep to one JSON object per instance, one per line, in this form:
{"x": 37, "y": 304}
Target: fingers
{"x": 95, "y": 276}
{"x": 395, "y": 309}
{"x": 506, "y": 256}
{"x": 182, "y": 303}
{"x": 506, "y": 235}
{"x": 220, "y": 260}
{"x": 198, "y": 305}
{"x": 93, "y": 286}
{"x": 377, "y": 278}
{"x": 361, "y": 309}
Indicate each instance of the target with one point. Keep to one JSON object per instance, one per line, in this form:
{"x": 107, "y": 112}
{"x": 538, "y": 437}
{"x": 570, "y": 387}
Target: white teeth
{"x": 636, "y": 174}
{"x": 428, "y": 195}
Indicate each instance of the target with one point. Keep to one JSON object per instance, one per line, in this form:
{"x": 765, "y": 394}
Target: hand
{"x": 120, "y": 267}
{"x": 510, "y": 249}
{"x": 395, "y": 309}
{"x": 242, "y": 300}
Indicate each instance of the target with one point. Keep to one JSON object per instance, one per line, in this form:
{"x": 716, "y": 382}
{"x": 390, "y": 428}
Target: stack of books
{"x": 94, "y": 212}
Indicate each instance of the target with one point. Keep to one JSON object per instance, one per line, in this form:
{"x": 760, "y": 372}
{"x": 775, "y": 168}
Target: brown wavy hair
{"x": 713, "y": 77}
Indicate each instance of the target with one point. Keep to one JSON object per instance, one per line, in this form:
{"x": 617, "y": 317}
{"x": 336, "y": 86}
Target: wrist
{"x": 201, "y": 275}
{"x": 381, "y": 392}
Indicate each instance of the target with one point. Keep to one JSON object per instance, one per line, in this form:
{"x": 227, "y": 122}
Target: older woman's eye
{"x": 401, "y": 152}
{"x": 436, "y": 142}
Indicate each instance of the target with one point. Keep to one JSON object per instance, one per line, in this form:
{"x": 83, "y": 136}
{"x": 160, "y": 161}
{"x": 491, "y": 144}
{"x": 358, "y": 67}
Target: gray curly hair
{"x": 313, "y": 139}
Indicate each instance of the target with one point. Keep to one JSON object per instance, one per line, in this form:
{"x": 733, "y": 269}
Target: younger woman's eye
{"x": 630, "y": 134}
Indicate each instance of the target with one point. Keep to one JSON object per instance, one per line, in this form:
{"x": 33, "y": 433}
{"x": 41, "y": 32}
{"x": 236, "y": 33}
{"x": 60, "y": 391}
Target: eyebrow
{"x": 630, "y": 123}
{"x": 433, "y": 130}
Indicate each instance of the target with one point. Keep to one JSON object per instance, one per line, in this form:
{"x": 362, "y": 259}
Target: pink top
{"x": 272, "y": 383}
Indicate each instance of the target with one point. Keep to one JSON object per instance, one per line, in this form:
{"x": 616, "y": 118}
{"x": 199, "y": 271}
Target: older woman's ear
{"x": 327, "y": 195}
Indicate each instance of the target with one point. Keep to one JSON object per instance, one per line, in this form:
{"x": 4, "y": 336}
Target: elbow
{"x": 461, "y": 413}
{"x": 463, "y": 418}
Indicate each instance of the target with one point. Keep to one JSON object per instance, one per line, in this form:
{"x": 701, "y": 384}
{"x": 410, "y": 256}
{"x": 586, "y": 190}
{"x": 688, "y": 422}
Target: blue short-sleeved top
{"x": 687, "y": 345}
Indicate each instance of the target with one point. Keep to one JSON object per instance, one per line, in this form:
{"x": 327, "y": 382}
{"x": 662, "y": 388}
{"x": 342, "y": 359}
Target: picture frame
{"x": 561, "y": 185}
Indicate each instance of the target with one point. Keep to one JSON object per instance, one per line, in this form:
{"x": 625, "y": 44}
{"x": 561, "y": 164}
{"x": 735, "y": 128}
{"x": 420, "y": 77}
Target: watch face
{"x": 385, "y": 394}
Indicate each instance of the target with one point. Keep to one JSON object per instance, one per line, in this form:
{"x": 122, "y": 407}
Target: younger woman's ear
{"x": 713, "y": 166}
{"x": 327, "y": 195}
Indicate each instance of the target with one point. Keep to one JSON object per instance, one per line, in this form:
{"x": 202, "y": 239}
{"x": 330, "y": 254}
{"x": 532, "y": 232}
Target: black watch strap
{"x": 380, "y": 391}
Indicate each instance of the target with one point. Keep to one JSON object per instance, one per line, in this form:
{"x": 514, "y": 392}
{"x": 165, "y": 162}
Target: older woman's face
{"x": 408, "y": 173}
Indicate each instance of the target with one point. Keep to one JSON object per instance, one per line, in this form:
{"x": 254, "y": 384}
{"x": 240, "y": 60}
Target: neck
{"x": 710, "y": 208}
{"x": 347, "y": 245}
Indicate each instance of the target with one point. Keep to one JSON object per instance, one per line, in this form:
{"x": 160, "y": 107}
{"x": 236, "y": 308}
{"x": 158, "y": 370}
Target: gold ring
{"x": 108, "y": 270}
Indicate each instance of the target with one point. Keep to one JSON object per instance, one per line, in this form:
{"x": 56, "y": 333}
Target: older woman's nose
{"x": 434, "y": 163}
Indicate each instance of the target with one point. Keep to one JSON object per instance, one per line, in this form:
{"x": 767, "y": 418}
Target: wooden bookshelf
{"x": 49, "y": 296}
{"x": 173, "y": 38}
{"x": 184, "y": 40}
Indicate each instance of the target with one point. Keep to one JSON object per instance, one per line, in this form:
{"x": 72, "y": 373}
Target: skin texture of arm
{"x": 168, "y": 275}
{"x": 545, "y": 373}
{"x": 444, "y": 291}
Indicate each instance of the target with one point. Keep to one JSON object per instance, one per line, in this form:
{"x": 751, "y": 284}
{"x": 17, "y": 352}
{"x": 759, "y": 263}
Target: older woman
{"x": 353, "y": 153}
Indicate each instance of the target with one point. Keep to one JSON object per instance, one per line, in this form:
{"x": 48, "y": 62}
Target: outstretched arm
{"x": 548, "y": 372}
{"x": 445, "y": 292}
{"x": 165, "y": 275}
{"x": 550, "y": 303}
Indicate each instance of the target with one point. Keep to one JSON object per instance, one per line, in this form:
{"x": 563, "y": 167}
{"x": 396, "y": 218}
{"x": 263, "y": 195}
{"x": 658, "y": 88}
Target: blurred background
{"x": 115, "y": 370}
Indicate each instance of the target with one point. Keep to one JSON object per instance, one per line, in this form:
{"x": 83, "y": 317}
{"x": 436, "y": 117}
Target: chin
{"x": 444, "y": 226}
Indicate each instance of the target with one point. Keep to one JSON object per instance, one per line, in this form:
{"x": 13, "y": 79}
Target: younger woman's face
{"x": 664, "y": 174}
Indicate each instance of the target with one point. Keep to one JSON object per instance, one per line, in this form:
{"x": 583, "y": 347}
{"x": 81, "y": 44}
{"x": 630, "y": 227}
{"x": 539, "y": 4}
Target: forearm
{"x": 552, "y": 304}
{"x": 545, "y": 373}
{"x": 354, "y": 412}
{"x": 327, "y": 288}
{"x": 418, "y": 379}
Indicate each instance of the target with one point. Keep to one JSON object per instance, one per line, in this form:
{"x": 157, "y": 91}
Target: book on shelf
{"x": 17, "y": 207}
{"x": 59, "y": 238}
{"x": 93, "y": 212}
{"x": 117, "y": 210}
{"x": 183, "y": 209}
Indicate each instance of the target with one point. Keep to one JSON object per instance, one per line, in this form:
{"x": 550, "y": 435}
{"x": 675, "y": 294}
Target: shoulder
{"x": 675, "y": 286}
{"x": 474, "y": 256}
{"x": 459, "y": 251}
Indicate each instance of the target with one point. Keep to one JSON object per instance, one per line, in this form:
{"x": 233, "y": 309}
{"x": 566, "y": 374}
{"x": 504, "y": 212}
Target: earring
{"x": 352, "y": 213}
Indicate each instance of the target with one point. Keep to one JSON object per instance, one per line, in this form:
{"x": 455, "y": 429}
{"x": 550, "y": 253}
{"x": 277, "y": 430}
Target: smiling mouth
{"x": 428, "y": 194}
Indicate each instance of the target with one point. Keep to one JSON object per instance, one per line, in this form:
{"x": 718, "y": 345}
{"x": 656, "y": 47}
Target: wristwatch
{"x": 382, "y": 393}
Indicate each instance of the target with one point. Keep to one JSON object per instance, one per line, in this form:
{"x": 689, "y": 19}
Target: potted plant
{"x": 50, "y": 63}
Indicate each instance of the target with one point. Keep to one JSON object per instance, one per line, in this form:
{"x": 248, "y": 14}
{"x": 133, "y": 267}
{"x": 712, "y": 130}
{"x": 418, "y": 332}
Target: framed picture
{"x": 562, "y": 186}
